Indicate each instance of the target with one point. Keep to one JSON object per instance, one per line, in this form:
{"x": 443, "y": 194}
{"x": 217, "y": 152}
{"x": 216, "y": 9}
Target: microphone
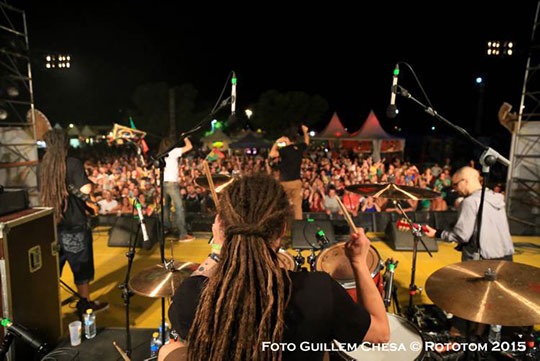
{"x": 22, "y": 332}
{"x": 392, "y": 111}
{"x": 322, "y": 238}
{"x": 138, "y": 206}
{"x": 389, "y": 282}
{"x": 232, "y": 117}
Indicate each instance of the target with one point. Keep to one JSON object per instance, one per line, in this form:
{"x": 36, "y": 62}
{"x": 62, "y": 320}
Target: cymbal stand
{"x": 417, "y": 236}
{"x": 312, "y": 259}
{"x": 299, "y": 260}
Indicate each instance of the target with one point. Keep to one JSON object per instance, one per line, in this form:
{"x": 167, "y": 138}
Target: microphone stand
{"x": 488, "y": 158}
{"x": 127, "y": 293}
{"x": 159, "y": 162}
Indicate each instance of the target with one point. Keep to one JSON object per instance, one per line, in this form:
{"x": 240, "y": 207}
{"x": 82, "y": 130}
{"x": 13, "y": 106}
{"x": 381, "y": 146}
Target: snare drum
{"x": 403, "y": 334}
{"x": 286, "y": 260}
{"x": 334, "y": 262}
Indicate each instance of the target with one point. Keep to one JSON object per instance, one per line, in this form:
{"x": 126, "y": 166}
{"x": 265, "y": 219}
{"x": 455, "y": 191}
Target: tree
{"x": 151, "y": 108}
{"x": 275, "y": 112}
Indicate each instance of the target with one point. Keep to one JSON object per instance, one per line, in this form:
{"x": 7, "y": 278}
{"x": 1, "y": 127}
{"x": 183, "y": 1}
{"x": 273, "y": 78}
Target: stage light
{"x": 397, "y": 111}
{"x": 432, "y": 128}
{"x": 489, "y": 52}
{"x": 48, "y": 66}
{"x": 67, "y": 65}
{"x": 3, "y": 114}
{"x": 479, "y": 80}
{"x": 510, "y": 52}
{"x": 489, "y": 44}
{"x": 249, "y": 113}
{"x": 71, "y": 125}
{"x": 312, "y": 133}
{"x": 68, "y": 58}
{"x": 510, "y": 45}
{"x": 48, "y": 58}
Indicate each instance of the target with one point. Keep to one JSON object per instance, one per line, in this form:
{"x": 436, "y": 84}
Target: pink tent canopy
{"x": 333, "y": 131}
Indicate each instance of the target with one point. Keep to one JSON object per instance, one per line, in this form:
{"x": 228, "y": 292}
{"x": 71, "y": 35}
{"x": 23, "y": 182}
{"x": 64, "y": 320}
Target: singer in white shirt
{"x": 171, "y": 190}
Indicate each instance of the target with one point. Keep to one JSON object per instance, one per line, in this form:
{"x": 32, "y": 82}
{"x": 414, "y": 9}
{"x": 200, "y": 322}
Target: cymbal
{"x": 161, "y": 281}
{"x": 511, "y": 299}
{"x": 392, "y": 191}
{"x": 220, "y": 181}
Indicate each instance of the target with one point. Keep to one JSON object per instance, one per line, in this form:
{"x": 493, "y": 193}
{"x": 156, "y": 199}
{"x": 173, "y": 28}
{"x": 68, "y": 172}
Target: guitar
{"x": 403, "y": 225}
{"x": 90, "y": 205}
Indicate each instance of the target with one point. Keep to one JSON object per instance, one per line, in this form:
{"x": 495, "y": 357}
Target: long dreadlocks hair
{"x": 243, "y": 302}
{"x": 53, "y": 172}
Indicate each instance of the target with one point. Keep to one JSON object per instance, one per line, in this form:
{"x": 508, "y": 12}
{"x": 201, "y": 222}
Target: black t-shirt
{"x": 291, "y": 159}
{"x": 320, "y": 310}
{"x": 75, "y": 215}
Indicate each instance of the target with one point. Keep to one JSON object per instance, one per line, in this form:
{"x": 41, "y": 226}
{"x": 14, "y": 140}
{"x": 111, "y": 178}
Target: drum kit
{"x": 488, "y": 292}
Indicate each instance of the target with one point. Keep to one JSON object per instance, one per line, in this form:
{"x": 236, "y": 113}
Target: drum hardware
{"x": 312, "y": 259}
{"x": 417, "y": 237}
{"x": 299, "y": 260}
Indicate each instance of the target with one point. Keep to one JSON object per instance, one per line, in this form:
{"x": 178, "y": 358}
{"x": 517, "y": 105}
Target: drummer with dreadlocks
{"x": 240, "y": 305}
{"x": 58, "y": 174}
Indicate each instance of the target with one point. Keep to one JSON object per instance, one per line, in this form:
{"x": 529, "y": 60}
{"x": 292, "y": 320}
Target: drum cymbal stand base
{"x": 299, "y": 260}
{"x": 312, "y": 260}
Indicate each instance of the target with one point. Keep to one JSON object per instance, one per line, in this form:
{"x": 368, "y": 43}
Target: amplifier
{"x": 13, "y": 201}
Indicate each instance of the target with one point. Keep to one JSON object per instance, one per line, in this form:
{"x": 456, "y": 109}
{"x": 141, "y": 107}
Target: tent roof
{"x": 217, "y": 136}
{"x": 371, "y": 129}
{"x": 250, "y": 140}
{"x": 74, "y": 131}
{"x": 57, "y": 126}
{"x": 334, "y": 129}
{"x": 87, "y": 132}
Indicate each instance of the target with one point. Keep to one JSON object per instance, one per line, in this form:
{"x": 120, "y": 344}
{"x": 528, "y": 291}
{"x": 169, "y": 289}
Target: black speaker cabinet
{"x": 403, "y": 240}
{"x": 126, "y": 226}
{"x": 304, "y": 233}
{"x": 29, "y": 277}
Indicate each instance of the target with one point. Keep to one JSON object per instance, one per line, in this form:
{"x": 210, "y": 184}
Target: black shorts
{"x": 76, "y": 249}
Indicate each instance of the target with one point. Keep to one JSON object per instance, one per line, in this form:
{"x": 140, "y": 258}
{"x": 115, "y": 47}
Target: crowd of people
{"x": 119, "y": 176}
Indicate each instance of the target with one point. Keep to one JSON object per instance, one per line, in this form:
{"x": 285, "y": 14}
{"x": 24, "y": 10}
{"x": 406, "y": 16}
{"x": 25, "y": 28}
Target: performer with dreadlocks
{"x": 241, "y": 301}
{"x": 58, "y": 173}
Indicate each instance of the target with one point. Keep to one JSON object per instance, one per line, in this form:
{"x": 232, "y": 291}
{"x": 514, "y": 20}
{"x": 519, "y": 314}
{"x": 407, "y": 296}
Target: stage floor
{"x": 110, "y": 265}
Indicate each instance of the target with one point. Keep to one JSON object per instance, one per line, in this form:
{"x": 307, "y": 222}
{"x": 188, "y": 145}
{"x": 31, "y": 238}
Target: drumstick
{"x": 210, "y": 182}
{"x": 121, "y": 352}
{"x": 347, "y": 215}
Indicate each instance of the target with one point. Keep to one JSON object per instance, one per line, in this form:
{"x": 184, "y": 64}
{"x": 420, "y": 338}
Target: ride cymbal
{"x": 491, "y": 292}
{"x": 220, "y": 181}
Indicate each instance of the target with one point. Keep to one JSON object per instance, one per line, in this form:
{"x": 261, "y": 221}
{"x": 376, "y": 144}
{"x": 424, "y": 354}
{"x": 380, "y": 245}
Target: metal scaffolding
{"x": 523, "y": 179}
{"x": 18, "y": 147}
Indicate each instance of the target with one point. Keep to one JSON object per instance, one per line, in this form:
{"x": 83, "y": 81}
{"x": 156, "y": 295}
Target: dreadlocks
{"x": 53, "y": 172}
{"x": 244, "y": 301}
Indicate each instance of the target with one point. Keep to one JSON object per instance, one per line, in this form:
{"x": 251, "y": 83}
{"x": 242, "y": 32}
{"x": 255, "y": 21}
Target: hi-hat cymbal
{"x": 220, "y": 181}
{"x": 161, "y": 281}
{"x": 392, "y": 191}
{"x": 509, "y": 296}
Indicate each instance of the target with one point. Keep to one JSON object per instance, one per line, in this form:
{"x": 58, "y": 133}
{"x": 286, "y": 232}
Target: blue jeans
{"x": 172, "y": 193}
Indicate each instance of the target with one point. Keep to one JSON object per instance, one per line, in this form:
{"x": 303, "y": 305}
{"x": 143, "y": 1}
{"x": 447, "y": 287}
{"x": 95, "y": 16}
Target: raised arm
{"x": 305, "y": 130}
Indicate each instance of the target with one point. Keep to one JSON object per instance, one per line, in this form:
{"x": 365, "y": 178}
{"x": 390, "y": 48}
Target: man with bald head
{"x": 495, "y": 240}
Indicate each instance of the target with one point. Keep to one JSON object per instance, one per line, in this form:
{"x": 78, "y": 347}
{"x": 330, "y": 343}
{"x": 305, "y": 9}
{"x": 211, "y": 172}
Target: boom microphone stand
{"x": 488, "y": 158}
{"x": 159, "y": 162}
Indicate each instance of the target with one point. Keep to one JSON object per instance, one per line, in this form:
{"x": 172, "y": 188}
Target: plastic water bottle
{"x": 155, "y": 344}
{"x": 167, "y": 333}
{"x": 495, "y": 333}
{"x": 90, "y": 324}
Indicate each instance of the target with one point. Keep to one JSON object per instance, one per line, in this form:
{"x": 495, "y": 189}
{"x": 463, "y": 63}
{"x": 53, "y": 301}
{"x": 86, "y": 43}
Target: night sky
{"x": 345, "y": 54}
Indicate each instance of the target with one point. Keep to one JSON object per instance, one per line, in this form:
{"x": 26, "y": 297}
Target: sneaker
{"x": 96, "y": 306}
{"x": 186, "y": 238}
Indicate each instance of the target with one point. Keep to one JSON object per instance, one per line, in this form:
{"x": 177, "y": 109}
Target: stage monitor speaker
{"x": 403, "y": 240}
{"x": 29, "y": 277}
{"x": 121, "y": 233}
{"x": 304, "y": 233}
